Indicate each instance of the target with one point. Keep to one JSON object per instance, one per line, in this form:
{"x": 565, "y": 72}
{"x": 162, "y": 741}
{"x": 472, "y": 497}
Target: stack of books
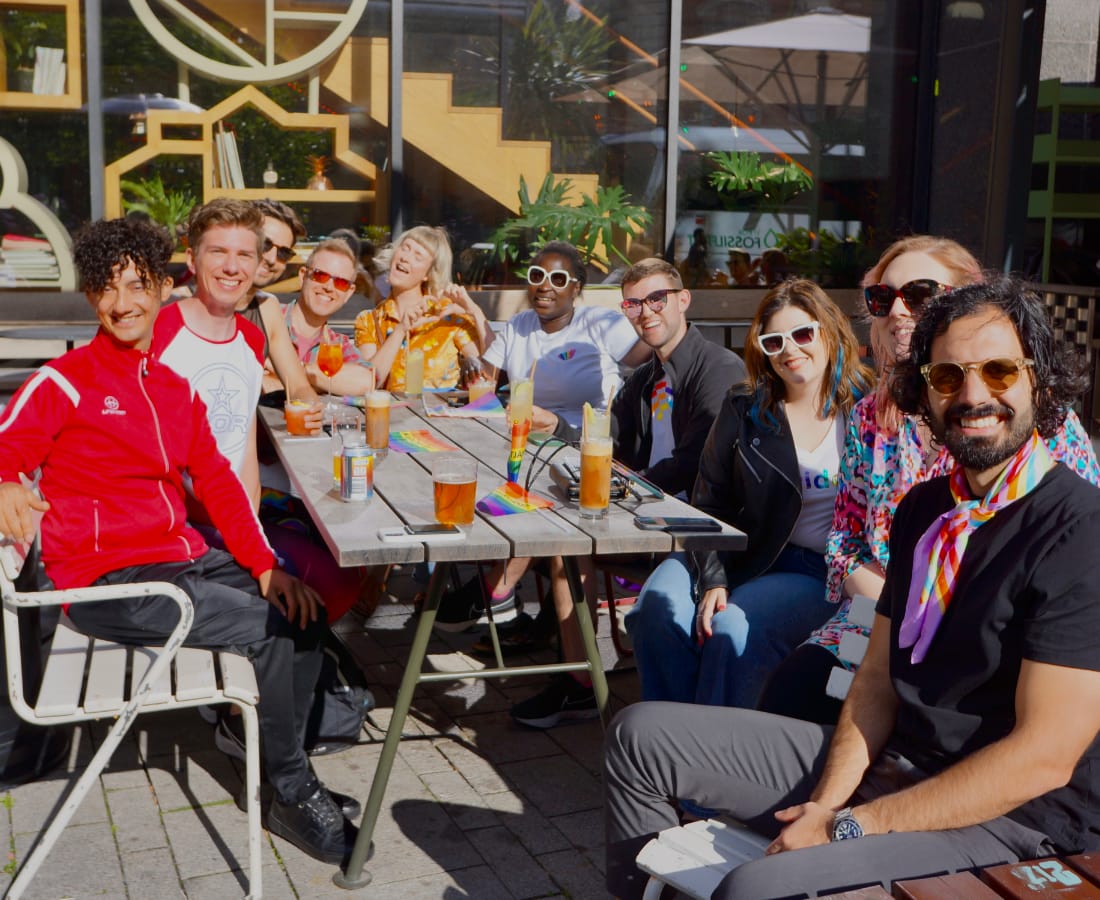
{"x": 26, "y": 260}
{"x": 49, "y": 70}
{"x": 227, "y": 172}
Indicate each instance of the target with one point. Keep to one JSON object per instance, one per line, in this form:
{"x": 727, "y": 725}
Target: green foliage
{"x": 596, "y": 220}
{"x": 749, "y": 177}
{"x": 825, "y": 258}
{"x": 165, "y": 207}
{"x": 24, "y": 29}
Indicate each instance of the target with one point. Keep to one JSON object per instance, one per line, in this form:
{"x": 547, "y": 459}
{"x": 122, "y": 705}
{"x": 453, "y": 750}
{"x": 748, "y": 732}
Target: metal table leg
{"x": 588, "y": 635}
{"x": 354, "y": 876}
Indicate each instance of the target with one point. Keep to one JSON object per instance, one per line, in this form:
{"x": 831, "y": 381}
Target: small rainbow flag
{"x": 510, "y": 498}
{"x": 486, "y": 407}
{"x": 412, "y": 441}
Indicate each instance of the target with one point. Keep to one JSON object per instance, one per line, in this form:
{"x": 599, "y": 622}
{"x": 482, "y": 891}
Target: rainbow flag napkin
{"x": 486, "y": 407}
{"x": 412, "y": 441}
{"x": 510, "y": 498}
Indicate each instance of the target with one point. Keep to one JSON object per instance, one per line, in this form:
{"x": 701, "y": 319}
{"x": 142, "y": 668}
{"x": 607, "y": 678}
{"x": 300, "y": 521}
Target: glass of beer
{"x": 378, "y": 420}
{"x": 595, "y": 477}
{"x": 414, "y": 373}
{"x": 454, "y": 483}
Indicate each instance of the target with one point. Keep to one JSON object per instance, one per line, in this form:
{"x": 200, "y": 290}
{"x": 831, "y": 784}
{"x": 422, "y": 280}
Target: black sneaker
{"x": 349, "y": 806}
{"x": 563, "y": 698}
{"x": 465, "y": 608}
{"x": 314, "y": 825}
{"x": 521, "y": 636}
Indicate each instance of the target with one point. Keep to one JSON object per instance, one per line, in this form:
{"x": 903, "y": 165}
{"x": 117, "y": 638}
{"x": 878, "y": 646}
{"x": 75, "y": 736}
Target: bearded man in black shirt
{"x": 969, "y": 737}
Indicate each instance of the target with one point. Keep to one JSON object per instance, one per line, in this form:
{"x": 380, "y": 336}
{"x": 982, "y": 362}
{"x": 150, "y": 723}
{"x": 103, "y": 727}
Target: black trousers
{"x": 230, "y": 615}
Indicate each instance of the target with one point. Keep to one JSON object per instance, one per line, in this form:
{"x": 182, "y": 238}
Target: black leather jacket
{"x": 748, "y": 477}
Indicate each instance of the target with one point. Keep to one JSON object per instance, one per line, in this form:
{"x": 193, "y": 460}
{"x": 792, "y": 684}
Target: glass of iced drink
{"x": 295, "y": 412}
{"x": 520, "y": 408}
{"x": 454, "y": 484}
{"x": 414, "y": 373}
{"x": 595, "y": 477}
{"x": 378, "y": 420}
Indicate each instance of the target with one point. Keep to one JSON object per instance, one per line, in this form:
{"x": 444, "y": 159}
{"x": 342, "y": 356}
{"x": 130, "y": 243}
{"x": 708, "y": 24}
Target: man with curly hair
{"x": 115, "y": 433}
{"x": 969, "y": 736}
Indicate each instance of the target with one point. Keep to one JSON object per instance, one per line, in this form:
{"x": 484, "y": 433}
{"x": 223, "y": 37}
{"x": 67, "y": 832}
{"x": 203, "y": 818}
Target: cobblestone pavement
{"x": 477, "y": 806}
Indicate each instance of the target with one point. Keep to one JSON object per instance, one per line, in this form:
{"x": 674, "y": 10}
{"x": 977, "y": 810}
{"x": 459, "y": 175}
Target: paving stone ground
{"x": 477, "y": 806}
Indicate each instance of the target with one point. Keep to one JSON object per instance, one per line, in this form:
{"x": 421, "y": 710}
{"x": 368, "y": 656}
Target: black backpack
{"x": 341, "y": 702}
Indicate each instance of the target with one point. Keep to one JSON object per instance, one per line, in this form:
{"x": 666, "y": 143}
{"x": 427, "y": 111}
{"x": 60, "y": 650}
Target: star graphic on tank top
{"x": 221, "y": 397}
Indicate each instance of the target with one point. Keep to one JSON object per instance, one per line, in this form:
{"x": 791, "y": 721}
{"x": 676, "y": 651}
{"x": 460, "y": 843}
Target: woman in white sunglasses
{"x": 770, "y": 467}
{"x": 424, "y": 312}
{"x": 578, "y": 349}
{"x": 885, "y": 454}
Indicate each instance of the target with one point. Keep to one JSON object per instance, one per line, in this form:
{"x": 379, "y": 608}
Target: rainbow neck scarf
{"x": 940, "y": 550}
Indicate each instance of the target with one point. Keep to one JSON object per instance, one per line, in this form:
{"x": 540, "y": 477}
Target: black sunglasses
{"x": 283, "y": 253}
{"x": 999, "y": 374}
{"x": 632, "y": 306}
{"x": 914, "y": 294}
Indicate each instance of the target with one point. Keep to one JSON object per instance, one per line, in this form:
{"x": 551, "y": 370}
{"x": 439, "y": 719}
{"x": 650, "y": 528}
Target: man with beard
{"x": 954, "y": 748}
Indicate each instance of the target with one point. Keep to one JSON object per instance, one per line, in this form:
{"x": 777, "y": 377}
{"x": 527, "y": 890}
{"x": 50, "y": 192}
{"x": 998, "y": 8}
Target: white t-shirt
{"x": 577, "y": 364}
{"x": 820, "y": 473}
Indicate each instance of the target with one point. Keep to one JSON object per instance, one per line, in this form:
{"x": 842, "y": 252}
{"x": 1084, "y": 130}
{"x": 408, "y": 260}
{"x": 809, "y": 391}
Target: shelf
{"x": 293, "y": 195}
{"x": 74, "y": 86}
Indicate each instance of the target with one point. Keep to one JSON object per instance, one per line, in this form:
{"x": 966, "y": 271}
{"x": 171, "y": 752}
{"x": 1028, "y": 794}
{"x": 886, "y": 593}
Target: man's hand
{"x": 543, "y": 420}
{"x": 18, "y": 505}
{"x": 294, "y": 599}
{"x": 809, "y": 824}
{"x": 714, "y": 601}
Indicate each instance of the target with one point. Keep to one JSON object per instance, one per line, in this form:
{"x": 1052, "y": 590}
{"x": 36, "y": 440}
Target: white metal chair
{"x": 86, "y": 679}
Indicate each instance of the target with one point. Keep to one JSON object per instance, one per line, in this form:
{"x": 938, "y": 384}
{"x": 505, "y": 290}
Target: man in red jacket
{"x": 114, "y": 433}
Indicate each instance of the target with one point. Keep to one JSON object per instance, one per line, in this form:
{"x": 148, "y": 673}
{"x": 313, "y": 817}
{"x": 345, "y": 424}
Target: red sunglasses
{"x": 323, "y": 277}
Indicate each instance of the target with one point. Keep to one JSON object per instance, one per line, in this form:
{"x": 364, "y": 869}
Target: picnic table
{"x": 403, "y": 495}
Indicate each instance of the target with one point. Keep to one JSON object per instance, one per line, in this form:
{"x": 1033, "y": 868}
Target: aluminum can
{"x": 356, "y": 473}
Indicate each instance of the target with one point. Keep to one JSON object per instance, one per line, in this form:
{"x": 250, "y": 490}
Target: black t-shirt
{"x": 1028, "y": 587}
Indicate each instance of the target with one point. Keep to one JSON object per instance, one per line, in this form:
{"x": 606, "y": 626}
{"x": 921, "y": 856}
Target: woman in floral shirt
{"x": 885, "y": 454}
{"x": 423, "y": 312}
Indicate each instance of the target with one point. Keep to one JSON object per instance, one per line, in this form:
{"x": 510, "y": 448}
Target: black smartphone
{"x": 677, "y": 523}
{"x": 407, "y": 533}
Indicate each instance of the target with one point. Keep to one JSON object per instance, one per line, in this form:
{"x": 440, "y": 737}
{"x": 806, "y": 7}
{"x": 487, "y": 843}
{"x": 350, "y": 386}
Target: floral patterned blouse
{"x": 441, "y": 342}
{"x": 876, "y": 471}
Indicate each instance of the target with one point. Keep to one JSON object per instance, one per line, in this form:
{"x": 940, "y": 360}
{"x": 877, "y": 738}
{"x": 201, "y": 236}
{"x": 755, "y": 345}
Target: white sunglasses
{"x": 773, "y": 342}
{"x": 559, "y": 278}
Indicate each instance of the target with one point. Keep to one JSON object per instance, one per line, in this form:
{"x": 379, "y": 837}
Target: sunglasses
{"x": 802, "y": 336}
{"x": 914, "y": 294}
{"x": 323, "y": 277}
{"x": 632, "y": 306}
{"x": 999, "y": 374}
{"x": 282, "y": 253}
{"x": 559, "y": 278}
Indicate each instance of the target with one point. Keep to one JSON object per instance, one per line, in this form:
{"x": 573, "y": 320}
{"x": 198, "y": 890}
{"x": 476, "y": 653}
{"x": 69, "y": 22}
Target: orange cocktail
{"x": 295, "y": 412}
{"x": 479, "y": 387}
{"x": 330, "y": 359}
{"x": 454, "y": 486}
{"x": 595, "y": 477}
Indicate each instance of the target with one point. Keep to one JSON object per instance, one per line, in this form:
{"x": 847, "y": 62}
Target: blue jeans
{"x": 764, "y": 620}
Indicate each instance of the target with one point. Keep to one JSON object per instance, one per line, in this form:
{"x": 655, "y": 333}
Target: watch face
{"x": 846, "y": 828}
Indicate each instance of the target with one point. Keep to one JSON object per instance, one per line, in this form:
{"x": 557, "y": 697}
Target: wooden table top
{"x": 403, "y": 494}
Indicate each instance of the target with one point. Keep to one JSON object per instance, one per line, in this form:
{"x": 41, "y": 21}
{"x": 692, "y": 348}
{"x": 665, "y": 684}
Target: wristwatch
{"x": 845, "y": 826}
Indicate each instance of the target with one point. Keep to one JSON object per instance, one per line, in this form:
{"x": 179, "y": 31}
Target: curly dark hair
{"x": 563, "y": 248}
{"x": 1058, "y": 374}
{"x": 103, "y": 247}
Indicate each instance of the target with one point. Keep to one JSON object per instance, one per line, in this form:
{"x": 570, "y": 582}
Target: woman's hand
{"x": 714, "y": 601}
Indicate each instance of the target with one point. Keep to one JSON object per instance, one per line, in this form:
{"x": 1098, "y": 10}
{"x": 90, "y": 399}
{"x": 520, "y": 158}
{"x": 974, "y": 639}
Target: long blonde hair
{"x": 964, "y": 269}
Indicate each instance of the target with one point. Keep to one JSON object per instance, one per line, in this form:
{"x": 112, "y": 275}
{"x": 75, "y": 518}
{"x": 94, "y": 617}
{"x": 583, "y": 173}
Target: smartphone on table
{"x": 428, "y": 532}
{"x": 677, "y": 524}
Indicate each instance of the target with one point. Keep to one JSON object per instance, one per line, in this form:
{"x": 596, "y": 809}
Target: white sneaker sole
{"x": 566, "y": 715}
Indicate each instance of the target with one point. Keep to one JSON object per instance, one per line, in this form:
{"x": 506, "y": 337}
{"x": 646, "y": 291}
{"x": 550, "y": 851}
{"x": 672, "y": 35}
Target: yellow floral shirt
{"x": 440, "y": 341}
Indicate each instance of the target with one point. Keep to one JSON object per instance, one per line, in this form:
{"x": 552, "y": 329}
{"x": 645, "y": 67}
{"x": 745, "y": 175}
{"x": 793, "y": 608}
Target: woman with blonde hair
{"x": 885, "y": 454}
{"x": 425, "y": 311}
{"x": 769, "y": 468}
